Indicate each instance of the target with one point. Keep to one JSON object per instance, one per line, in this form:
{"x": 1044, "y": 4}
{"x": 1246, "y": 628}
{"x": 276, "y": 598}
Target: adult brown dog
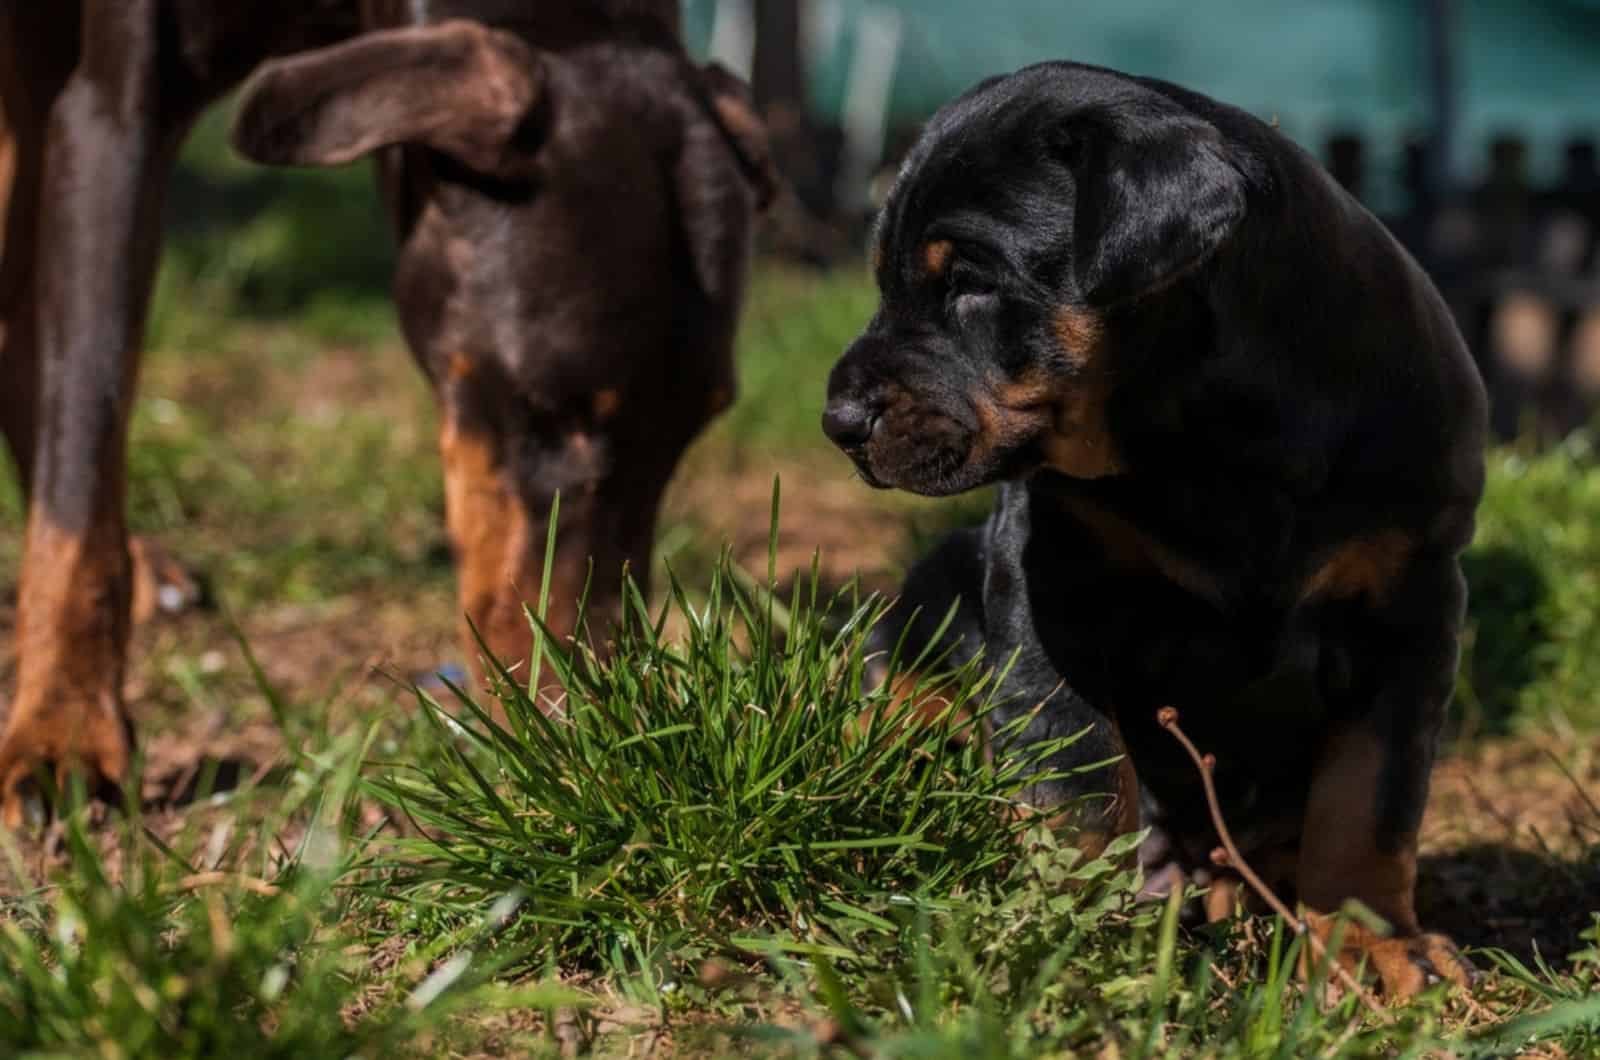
{"x": 573, "y": 200}
{"x": 1240, "y": 442}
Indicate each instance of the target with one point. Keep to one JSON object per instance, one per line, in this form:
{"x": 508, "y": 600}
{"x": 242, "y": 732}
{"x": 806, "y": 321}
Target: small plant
{"x": 144, "y": 955}
{"x": 696, "y": 795}
{"x": 1531, "y": 654}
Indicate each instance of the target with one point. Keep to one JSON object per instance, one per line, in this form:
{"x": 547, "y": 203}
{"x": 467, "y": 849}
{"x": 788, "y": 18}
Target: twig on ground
{"x": 1228, "y": 854}
{"x": 217, "y": 879}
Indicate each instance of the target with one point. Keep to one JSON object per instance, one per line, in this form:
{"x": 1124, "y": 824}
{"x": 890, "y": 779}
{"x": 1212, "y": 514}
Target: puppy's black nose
{"x": 848, "y": 423}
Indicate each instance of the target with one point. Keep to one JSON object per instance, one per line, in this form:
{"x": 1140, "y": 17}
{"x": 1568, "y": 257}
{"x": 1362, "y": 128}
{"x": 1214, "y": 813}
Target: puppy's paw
{"x": 1405, "y": 965}
{"x": 1408, "y": 966}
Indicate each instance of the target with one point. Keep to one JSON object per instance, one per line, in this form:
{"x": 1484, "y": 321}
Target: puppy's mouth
{"x": 938, "y": 452}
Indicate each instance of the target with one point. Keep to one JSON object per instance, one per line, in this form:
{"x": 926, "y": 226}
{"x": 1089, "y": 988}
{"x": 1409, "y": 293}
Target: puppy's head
{"x": 1034, "y": 211}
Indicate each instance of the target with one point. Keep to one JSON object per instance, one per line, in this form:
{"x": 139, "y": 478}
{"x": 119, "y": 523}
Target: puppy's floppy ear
{"x": 1152, "y": 203}
{"x": 458, "y": 87}
{"x": 724, "y": 174}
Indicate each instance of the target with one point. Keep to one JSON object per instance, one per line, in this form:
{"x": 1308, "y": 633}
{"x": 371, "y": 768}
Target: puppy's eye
{"x": 964, "y": 306}
{"x": 970, "y": 293}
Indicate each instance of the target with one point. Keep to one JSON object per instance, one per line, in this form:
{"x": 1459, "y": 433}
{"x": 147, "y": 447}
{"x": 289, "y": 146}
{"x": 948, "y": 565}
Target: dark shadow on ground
{"x": 1493, "y": 895}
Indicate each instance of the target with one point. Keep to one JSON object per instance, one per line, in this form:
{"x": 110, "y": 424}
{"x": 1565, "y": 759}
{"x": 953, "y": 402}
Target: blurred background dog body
{"x": 570, "y": 292}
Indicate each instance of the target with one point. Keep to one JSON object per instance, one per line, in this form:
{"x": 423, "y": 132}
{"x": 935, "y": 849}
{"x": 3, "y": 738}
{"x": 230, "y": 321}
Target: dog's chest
{"x": 1241, "y": 610}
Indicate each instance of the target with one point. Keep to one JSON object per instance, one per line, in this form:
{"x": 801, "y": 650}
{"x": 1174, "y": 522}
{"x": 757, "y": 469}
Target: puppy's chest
{"x": 1257, "y": 556}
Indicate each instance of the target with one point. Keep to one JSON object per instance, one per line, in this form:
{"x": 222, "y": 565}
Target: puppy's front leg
{"x": 1093, "y": 806}
{"x": 1371, "y": 783}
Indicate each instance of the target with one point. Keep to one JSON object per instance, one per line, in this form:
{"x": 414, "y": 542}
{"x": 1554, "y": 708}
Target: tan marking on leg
{"x": 1339, "y": 856}
{"x": 1340, "y": 860}
{"x": 1091, "y": 826}
{"x": 72, "y": 630}
{"x": 1405, "y": 965}
{"x": 1365, "y": 566}
{"x": 1223, "y": 898}
{"x": 936, "y": 257}
{"x": 924, "y": 710}
{"x": 491, "y": 536}
{"x": 1125, "y": 807}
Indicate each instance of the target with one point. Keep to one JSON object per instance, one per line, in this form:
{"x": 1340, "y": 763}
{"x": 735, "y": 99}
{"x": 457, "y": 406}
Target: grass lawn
{"x": 723, "y": 849}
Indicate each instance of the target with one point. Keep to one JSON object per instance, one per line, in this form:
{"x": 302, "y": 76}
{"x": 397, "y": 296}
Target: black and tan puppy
{"x": 1239, "y": 440}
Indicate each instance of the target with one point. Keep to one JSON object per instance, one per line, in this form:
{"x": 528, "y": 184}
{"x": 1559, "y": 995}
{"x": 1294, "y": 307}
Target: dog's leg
{"x": 1370, "y": 787}
{"x": 107, "y": 151}
{"x": 31, "y": 76}
{"x": 495, "y": 532}
{"x": 503, "y": 471}
{"x": 610, "y": 465}
{"x": 1094, "y": 805}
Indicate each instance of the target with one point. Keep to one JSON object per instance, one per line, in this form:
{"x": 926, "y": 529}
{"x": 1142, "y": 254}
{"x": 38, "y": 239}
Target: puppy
{"x": 1239, "y": 446}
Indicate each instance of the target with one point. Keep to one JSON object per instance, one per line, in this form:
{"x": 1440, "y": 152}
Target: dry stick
{"x": 217, "y": 879}
{"x": 1229, "y": 855}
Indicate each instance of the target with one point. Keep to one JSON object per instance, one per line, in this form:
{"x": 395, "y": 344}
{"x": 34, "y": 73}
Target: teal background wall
{"x": 1529, "y": 66}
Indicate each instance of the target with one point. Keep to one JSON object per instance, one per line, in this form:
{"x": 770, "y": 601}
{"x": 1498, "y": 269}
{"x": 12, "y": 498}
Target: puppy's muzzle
{"x": 849, "y": 423}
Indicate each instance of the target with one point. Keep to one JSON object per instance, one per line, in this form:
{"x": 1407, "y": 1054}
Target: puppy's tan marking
{"x": 913, "y": 706}
{"x": 1365, "y": 566}
{"x": 606, "y": 403}
{"x": 1066, "y": 412}
{"x": 1124, "y": 809}
{"x": 936, "y": 257}
{"x": 1340, "y": 858}
{"x": 1080, "y": 444}
{"x": 1080, "y": 333}
{"x": 1129, "y": 548}
{"x": 1405, "y": 964}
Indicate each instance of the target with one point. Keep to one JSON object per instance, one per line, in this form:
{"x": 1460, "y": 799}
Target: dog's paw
{"x": 1405, "y": 965}
{"x": 93, "y": 743}
{"x": 1408, "y": 966}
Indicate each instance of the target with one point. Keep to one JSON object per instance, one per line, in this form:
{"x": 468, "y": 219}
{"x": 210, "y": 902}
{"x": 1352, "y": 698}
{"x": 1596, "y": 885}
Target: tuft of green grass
{"x": 1057, "y": 961}
{"x": 696, "y": 796}
{"x": 154, "y": 952}
{"x": 1531, "y": 654}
